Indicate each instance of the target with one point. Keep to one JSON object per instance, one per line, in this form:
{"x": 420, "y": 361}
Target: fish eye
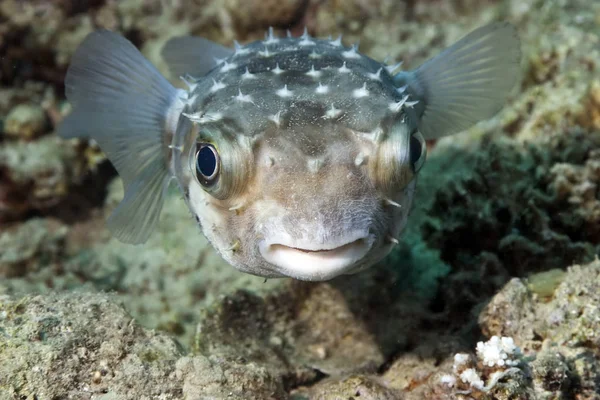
{"x": 207, "y": 164}
{"x": 417, "y": 151}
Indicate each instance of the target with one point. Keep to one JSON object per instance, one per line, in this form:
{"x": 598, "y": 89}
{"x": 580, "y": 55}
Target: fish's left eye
{"x": 417, "y": 151}
{"x": 207, "y": 164}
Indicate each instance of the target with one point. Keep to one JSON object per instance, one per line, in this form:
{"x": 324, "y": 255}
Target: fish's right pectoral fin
{"x": 122, "y": 102}
{"x": 191, "y": 55}
{"x": 466, "y": 83}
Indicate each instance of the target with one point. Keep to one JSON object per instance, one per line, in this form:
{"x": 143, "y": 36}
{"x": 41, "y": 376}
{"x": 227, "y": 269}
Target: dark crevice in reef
{"x": 521, "y": 210}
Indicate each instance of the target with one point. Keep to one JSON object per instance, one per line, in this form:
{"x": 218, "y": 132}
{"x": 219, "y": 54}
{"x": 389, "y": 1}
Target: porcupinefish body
{"x": 297, "y": 156}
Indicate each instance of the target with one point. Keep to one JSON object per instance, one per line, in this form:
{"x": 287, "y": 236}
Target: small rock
{"x": 25, "y": 121}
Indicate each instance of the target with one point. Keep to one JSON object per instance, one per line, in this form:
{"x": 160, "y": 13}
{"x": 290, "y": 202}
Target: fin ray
{"x": 191, "y": 55}
{"x": 466, "y": 83}
{"x": 120, "y": 100}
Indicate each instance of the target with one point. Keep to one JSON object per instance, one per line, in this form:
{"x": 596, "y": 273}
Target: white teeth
{"x": 314, "y": 73}
{"x": 411, "y": 104}
{"x": 217, "y": 86}
{"x": 284, "y": 92}
{"x": 314, "y": 55}
{"x": 322, "y": 89}
{"x": 402, "y": 89}
{"x": 361, "y": 92}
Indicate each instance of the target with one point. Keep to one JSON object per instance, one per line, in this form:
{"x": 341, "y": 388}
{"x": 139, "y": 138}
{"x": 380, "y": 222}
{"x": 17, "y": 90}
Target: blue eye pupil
{"x": 207, "y": 161}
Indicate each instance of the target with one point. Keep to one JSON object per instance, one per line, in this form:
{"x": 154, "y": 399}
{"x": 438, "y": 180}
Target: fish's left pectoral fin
{"x": 191, "y": 55}
{"x": 466, "y": 83}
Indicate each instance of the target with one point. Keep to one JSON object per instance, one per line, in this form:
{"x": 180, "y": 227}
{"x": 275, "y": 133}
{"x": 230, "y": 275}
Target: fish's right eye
{"x": 208, "y": 164}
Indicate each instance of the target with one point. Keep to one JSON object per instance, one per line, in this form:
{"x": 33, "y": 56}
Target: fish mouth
{"x": 312, "y": 262}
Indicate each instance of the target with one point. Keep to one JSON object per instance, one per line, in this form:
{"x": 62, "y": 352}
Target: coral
{"x": 496, "y": 371}
{"x": 37, "y": 176}
{"x": 501, "y": 211}
{"x": 356, "y": 386}
{"x": 529, "y": 209}
{"x": 27, "y": 248}
{"x": 563, "y": 331}
{"x": 25, "y": 121}
{"x": 86, "y": 346}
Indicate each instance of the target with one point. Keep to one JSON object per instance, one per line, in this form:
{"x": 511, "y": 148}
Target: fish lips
{"x": 312, "y": 261}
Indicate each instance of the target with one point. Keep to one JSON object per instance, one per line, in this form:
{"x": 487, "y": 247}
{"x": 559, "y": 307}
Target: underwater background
{"x": 493, "y": 292}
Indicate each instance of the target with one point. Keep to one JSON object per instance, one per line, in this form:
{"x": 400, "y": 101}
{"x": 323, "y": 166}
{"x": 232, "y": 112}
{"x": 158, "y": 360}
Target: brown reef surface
{"x": 493, "y": 292}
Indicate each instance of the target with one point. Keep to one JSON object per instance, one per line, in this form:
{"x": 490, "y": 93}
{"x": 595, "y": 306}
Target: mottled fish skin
{"x": 297, "y": 156}
{"x": 309, "y": 114}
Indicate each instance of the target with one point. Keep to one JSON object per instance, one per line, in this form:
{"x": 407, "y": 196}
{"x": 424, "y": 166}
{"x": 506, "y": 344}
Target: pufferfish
{"x": 297, "y": 156}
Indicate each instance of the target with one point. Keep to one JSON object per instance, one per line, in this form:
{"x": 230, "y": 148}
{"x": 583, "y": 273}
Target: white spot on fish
{"x": 190, "y": 82}
{"x": 360, "y": 159}
{"x": 228, "y": 66}
{"x": 314, "y": 165}
{"x": 375, "y": 76}
{"x": 265, "y": 53}
{"x": 392, "y": 68}
{"x": 397, "y": 106}
{"x": 352, "y": 53}
{"x": 402, "y": 89}
{"x": 270, "y": 37}
{"x": 322, "y": 89}
{"x": 284, "y": 92}
{"x": 277, "y": 119}
{"x": 239, "y": 49}
{"x": 332, "y": 113}
{"x": 244, "y": 98}
{"x": 217, "y": 86}
{"x": 343, "y": 69}
{"x": 202, "y": 118}
{"x": 361, "y": 92}
{"x": 306, "y": 39}
{"x": 247, "y": 75}
{"x": 277, "y": 70}
{"x": 314, "y": 73}
{"x": 337, "y": 42}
